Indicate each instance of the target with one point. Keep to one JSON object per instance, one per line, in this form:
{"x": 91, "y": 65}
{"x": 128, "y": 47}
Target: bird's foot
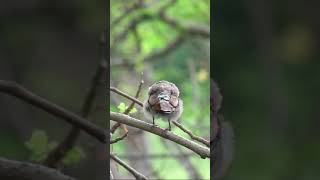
{"x": 155, "y": 125}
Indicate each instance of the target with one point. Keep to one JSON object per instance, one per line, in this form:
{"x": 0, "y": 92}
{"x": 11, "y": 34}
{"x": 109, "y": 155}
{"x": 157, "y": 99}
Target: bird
{"x": 163, "y": 101}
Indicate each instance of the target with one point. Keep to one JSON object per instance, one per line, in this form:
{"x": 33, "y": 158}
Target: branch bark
{"x": 14, "y": 170}
{"x": 14, "y": 89}
{"x": 204, "y": 152}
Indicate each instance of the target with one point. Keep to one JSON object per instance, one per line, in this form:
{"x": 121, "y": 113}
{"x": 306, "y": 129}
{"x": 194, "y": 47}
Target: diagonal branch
{"x": 204, "y": 152}
{"x": 113, "y": 89}
{"x": 20, "y": 92}
{"x": 134, "y": 172}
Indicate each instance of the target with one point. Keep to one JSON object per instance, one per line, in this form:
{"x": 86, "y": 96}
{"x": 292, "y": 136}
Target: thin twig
{"x": 20, "y": 92}
{"x": 119, "y": 138}
{"x": 127, "y": 111}
{"x": 204, "y": 152}
{"x": 114, "y": 127}
{"x": 134, "y": 172}
{"x": 113, "y": 89}
{"x": 137, "y": 95}
{"x": 194, "y": 137}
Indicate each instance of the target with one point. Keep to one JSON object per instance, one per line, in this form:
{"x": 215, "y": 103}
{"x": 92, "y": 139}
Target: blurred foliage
{"x": 74, "y": 156}
{"x": 186, "y": 65}
{"x": 122, "y": 108}
{"x": 39, "y": 147}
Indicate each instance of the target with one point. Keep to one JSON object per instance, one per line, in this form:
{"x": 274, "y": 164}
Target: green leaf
{"x": 52, "y": 145}
{"x": 37, "y": 144}
{"x": 122, "y": 107}
{"x": 74, "y": 156}
{"x": 133, "y": 110}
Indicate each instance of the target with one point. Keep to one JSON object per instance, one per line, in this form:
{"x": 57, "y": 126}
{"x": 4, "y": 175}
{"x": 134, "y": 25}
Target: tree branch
{"x": 20, "y": 92}
{"x": 10, "y": 169}
{"x": 119, "y": 138}
{"x": 194, "y": 137}
{"x": 204, "y": 152}
{"x": 134, "y": 172}
{"x": 113, "y": 89}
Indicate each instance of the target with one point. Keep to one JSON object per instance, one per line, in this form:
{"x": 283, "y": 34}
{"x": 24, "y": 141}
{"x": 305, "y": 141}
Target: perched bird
{"x": 163, "y": 101}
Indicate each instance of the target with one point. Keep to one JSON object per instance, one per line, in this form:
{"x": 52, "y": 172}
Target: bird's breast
{"x": 163, "y": 107}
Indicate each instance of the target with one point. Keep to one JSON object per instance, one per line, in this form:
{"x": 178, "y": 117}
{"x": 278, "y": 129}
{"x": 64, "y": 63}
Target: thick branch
{"x": 13, "y": 170}
{"x": 134, "y": 172}
{"x": 204, "y": 152}
{"x": 20, "y": 92}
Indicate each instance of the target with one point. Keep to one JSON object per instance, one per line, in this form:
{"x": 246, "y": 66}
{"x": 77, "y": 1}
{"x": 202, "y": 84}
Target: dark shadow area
{"x": 53, "y": 49}
{"x": 266, "y": 63}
